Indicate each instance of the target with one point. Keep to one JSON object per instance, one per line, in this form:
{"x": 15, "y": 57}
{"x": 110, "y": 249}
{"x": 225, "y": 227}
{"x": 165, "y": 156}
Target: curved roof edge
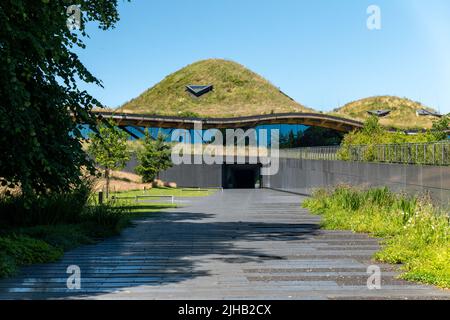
{"x": 311, "y": 119}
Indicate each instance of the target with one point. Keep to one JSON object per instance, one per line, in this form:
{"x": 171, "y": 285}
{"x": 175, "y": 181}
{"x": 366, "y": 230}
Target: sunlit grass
{"x": 234, "y": 85}
{"x": 179, "y": 192}
{"x": 403, "y": 112}
{"x": 417, "y": 234}
{"x": 127, "y": 199}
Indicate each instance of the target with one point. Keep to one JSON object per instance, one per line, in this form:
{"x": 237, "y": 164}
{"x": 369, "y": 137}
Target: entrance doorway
{"x": 242, "y": 176}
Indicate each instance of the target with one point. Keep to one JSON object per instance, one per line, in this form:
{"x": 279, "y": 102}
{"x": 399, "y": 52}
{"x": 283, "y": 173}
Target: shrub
{"x": 153, "y": 158}
{"x": 66, "y": 237}
{"x": 106, "y": 220}
{"x": 40, "y": 229}
{"x": 45, "y": 209}
{"x": 7, "y": 265}
{"x": 20, "y": 250}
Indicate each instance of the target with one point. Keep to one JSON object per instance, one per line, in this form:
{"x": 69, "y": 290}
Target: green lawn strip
{"x": 137, "y": 208}
{"x": 180, "y": 193}
{"x": 416, "y": 234}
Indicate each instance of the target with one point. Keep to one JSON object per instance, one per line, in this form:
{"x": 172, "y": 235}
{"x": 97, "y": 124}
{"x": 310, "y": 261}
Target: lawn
{"x": 178, "y": 193}
{"x": 127, "y": 199}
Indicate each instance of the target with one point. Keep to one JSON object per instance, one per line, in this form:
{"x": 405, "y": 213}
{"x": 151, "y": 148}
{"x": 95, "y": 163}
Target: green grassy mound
{"x": 237, "y": 92}
{"x": 403, "y": 112}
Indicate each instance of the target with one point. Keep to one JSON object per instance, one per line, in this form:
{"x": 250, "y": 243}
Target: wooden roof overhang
{"x": 169, "y": 122}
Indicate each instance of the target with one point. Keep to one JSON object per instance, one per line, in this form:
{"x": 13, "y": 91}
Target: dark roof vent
{"x": 199, "y": 91}
{"x": 379, "y": 113}
{"x": 424, "y": 113}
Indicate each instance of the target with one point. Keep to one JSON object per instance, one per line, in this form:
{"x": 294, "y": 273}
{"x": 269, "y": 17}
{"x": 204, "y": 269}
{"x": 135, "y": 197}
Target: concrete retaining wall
{"x": 188, "y": 176}
{"x": 196, "y": 176}
{"x": 303, "y": 176}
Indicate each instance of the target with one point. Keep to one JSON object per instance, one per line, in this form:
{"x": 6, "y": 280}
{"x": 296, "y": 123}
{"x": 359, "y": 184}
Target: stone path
{"x": 237, "y": 244}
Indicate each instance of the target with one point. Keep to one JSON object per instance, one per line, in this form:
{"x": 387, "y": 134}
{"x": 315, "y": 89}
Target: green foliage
{"x": 64, "y": 236}
{"x": 26, "y": 250}
{"x": 45, "y": 209}
{"x": 109, "y": 218}
{"x": 439, "y": 128}
{"x": 185, "y": 193}
{"x": 154, "y": 158}
{"x": 311, "y": 137}
{"x": 46, "y": 243}
{"x": 109, "y": 148}
{"x": 416, "y": 233}
{"x": 20, "y": 250}
{"x": 40, "y": 230}
{"x": 8, "y": 266}
{"x": 41, "y": 105}
{"x": 364, "y": 145}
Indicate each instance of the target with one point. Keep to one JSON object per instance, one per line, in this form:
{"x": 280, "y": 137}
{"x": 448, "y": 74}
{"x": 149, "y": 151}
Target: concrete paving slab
{"x": 236, "y": 244}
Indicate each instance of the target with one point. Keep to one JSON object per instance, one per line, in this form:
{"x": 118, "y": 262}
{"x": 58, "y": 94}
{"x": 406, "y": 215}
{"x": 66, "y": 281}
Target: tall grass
{"x": 416, "y": 233}
{"x": 40, "y": 228}
{"x": 50, "y": 209}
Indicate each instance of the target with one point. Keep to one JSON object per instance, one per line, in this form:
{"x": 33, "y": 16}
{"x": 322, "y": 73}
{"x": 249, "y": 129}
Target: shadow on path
{"x": 162, "y": 249}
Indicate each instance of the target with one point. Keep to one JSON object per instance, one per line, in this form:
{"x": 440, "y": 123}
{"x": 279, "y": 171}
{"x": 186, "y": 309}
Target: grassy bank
{"x": 40, "y": 229}
{"x": 234, "y": 85}
{"x": 416, "y": 234}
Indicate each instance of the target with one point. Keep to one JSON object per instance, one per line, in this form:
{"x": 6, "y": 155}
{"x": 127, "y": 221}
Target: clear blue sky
{"x": 320, "y": 52}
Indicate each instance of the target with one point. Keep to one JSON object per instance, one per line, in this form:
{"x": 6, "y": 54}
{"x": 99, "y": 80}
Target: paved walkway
{"x": 233, "y": 245}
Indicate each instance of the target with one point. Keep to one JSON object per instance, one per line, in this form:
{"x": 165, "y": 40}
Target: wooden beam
{"x": 311, "y": 119}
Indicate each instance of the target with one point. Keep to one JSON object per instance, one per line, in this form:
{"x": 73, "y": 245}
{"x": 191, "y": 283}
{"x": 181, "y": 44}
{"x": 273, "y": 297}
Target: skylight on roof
{"x": 424, "y": 113}
{"x": 198, "y": 90}
{"x": 379, "y": 113}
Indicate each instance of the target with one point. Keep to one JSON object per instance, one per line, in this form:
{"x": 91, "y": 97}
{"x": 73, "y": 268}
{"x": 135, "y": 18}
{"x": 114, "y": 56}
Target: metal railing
{"x": 412, "y": 153}
{"x": 311, "y": 153}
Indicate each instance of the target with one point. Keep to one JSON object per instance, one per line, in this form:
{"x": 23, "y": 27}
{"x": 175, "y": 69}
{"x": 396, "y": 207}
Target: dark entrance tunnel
{"x": 242, "y": 176}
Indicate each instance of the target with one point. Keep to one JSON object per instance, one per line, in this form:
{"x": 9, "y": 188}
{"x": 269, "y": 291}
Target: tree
{"x": 440, "y": 128}
{"x": 154, "y": 158}
{"x": 41, "y": 106}
{"x": 109, "y": 148}
{"x": 373, "y": 134}
{"x": 319, "y": 137}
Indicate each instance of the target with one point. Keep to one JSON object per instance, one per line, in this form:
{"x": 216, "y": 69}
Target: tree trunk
{"x": 107, "y": 182}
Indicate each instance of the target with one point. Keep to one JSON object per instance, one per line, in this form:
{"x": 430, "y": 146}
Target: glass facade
{"x": 291, "y": 135}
